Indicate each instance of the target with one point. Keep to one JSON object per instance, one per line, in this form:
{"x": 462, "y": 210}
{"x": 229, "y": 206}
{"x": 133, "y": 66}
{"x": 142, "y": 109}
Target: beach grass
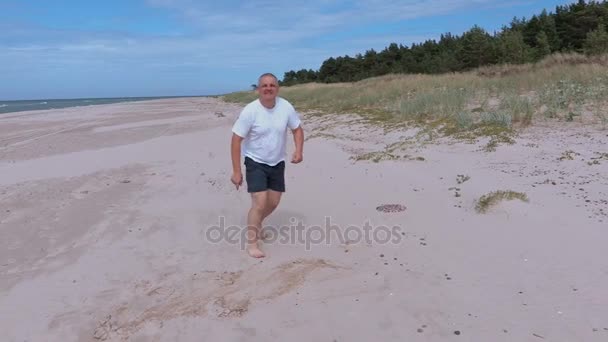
{"x": 490, "y": 101}
{"x": 485, "y": 202}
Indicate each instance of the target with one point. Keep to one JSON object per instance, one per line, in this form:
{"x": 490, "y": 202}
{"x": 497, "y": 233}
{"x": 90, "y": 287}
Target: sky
{"x": 124, "y": 48}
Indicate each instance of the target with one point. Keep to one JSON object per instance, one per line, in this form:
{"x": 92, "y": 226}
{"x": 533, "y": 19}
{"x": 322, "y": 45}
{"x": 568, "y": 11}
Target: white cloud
{"x": 262, "y": 32}
{"x": 243, "y": 38}
{"x": 302, "y": 19}
{"x": 250, "y": 33}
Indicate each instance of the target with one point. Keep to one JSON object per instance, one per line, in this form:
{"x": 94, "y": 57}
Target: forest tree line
{"x": 578, "y": 27}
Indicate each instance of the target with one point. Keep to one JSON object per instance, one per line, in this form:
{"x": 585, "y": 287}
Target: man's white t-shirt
{"x": 265, "y": 130}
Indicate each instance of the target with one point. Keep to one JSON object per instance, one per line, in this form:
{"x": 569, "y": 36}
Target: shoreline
{"x": 43, "y": 104}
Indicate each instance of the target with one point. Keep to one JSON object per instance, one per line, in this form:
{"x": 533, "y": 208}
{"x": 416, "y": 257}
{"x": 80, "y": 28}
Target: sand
{"x": 110, "y": 218}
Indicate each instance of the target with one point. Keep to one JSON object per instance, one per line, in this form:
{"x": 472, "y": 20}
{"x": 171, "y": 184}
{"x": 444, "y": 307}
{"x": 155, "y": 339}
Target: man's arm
{"x": 298, "y": 138}
{"x": 235, "y": 152}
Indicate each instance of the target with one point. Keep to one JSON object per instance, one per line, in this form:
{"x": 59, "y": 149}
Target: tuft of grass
{"x": 326, "y": 135}
{"x": 496, "y": 118}
{"x": 496, "y": 127}
{"x": 389, "y": 153}
{"x": 497, "y": 140}
{"x": 464, "y": 120}
{"x": 376, "y": 156}
{"x": 485, "y": 202}
{"x": 519, "y": 108}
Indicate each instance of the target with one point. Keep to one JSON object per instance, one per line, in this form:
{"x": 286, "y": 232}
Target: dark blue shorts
{"x": 262, "y": 177}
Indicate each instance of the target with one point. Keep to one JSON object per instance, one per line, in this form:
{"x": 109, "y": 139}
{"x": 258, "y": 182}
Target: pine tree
{"x": 512, "y": 48}
{"x": 542, "y": 46}
{"x": 547, "y": 24}
{"x": 327, "y": 70}
{"x": 531, "y": 30}
{"x": 597, "y": 41}
{"x": 477, "y": 49}
{"x": 370, "y": 62}
{"x": 289, "y": 78}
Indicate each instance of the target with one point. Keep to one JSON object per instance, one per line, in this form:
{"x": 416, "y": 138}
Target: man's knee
{"x": 259, "y": 203}
{"x": 258, "y": 208}
{"x": 273, "y": 202}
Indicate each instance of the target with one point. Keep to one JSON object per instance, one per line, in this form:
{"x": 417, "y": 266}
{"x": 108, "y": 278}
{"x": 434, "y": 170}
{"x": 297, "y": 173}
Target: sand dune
{"x": 119, "y": 222}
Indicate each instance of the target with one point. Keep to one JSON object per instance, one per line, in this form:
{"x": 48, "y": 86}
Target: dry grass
{"x": 560, "y": 87}
{"x": 555, "y": 60}
{"x": 487, "y": 201}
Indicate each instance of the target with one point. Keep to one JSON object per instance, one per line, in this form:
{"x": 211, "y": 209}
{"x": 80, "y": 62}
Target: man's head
{"x": 268, "y": 88}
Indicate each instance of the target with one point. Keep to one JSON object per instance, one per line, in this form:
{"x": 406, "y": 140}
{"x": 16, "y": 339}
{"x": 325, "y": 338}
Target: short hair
{"x": 267, "y": 74}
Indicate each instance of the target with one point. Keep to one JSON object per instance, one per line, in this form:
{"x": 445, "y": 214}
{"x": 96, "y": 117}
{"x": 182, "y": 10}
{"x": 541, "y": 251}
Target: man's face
{"x": 268, "y": 88}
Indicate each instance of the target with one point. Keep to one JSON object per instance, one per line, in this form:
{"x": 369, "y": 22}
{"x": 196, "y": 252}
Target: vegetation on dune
{"x": 552, "y": 66}
{"x": 487, "y": 201}
{"x": 468, "y": 105}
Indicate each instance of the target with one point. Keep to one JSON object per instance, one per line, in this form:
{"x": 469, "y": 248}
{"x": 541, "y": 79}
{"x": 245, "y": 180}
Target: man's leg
{"x": 254, "y": 222}
{"x": 276, "y": 187}
{"x": 272, "y": 202}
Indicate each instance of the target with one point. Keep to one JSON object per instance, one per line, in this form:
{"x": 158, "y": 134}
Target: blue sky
{"x": 115, "y": 48}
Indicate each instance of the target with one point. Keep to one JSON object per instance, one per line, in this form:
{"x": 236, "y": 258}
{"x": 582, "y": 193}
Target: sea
{"x": 23, "y": 105}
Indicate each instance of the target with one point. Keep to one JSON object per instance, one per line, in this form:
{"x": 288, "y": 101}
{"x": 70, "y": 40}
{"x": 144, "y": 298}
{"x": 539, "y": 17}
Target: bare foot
{"x": 254, "y": 251}
{"x": 265, "y": 236}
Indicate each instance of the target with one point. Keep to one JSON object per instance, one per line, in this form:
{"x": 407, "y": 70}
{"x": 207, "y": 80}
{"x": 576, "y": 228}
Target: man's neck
{"x": 268, "y": 104}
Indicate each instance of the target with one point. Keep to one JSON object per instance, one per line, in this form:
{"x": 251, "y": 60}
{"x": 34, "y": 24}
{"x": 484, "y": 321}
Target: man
{"x": 261, "y": 131}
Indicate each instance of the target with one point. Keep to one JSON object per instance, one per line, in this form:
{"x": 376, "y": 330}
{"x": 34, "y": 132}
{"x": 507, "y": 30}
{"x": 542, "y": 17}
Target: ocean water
{"x": 23, "y": 105}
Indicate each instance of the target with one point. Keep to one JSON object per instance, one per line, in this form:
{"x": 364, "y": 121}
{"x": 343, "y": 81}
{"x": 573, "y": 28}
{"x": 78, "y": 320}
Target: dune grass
{"x": 487, "y": 201}
{"x": 488, "y": 101}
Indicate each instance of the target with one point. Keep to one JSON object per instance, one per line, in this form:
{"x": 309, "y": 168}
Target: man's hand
{"x": 237, "y": 179}
{"x": 298, "y": 138}
{"x": 297, "y": 157}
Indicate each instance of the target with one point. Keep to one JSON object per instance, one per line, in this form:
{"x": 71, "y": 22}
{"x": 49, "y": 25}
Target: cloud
{"x": 302, "y": 19}
{"x": 245, "y": 33}
{"x": 242, "y": 32}
{"x": 238, "y": 39}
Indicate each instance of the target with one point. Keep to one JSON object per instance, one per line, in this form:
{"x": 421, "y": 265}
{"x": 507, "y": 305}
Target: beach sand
{"x": 110, "y": 218}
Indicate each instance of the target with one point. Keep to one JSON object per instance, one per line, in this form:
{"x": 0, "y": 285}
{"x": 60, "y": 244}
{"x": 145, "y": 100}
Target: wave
{"x": 3, "y": 105}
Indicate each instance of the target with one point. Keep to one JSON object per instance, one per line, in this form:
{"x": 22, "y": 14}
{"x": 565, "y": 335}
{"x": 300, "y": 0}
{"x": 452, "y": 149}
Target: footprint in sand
{"x": 221, "y": 295}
